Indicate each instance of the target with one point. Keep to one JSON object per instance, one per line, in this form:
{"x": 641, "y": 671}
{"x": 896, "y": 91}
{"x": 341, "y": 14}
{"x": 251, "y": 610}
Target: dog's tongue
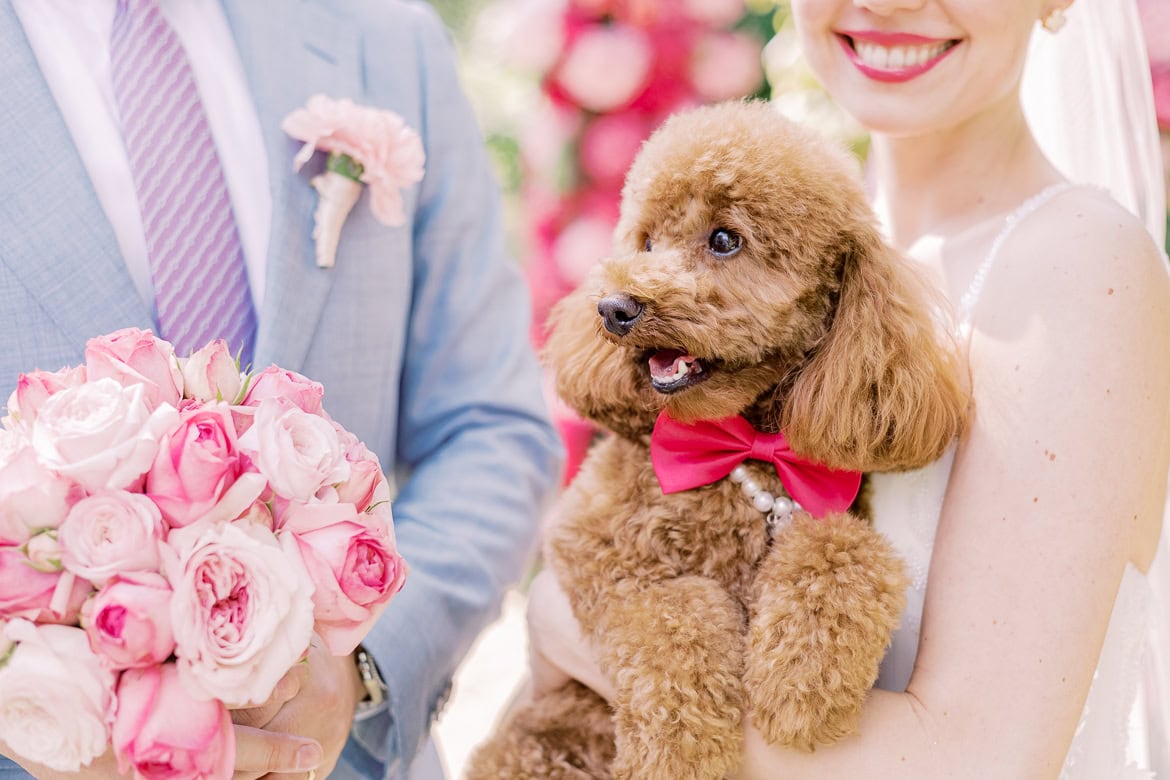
{"x": 665, "y": 364}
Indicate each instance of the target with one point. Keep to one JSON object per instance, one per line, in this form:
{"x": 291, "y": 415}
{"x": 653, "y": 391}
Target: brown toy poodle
{"x": 748, "y": 280}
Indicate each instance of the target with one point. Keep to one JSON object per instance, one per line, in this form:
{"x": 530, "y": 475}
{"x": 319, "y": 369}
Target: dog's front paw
{"x": 826, "y": 601}
{"x": 675, "y": 652}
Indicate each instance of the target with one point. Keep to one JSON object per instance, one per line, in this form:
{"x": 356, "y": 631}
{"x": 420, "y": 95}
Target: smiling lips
{"x": 893, "y": 57}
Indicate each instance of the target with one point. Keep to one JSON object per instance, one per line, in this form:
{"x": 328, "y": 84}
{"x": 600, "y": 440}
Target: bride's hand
{"x": 557, "y": 649}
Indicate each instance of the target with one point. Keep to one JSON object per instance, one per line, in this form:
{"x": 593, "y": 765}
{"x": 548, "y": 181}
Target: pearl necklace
{"x": 779, "y": 509}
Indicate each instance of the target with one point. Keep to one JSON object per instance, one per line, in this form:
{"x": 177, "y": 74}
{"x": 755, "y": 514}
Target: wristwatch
{"x": 372, "y": 681}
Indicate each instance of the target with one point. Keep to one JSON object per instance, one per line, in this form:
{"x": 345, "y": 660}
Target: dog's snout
{"x": 619, "y": 312}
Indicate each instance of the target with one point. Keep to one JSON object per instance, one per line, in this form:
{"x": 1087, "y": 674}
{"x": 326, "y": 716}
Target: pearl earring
{"x": 1055, "y": 20}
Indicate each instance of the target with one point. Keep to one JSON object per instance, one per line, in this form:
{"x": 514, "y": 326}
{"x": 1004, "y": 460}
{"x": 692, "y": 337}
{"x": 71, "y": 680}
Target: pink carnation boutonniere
{"x": 366, "y": 146}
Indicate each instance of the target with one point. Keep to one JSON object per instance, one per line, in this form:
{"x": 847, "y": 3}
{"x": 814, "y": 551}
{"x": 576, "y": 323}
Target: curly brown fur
{"x": 813, "y": 326}
{"x": 567, "y": 735}
{"x": 826, "y": 598}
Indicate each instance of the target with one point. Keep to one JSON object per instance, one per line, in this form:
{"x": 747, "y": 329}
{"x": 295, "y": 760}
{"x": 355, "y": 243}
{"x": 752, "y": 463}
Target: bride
{"x": 1030, "y": 543}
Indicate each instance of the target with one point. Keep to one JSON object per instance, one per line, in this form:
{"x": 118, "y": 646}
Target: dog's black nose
{"x": 619, "y": 312}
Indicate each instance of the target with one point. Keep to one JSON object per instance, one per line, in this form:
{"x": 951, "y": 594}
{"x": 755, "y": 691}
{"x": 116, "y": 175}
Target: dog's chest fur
{"x": 616, "y": 502}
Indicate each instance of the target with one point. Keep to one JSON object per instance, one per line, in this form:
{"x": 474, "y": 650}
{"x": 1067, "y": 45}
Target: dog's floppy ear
{"x": 593, "y": 376}
{"x": 883, "y": 390}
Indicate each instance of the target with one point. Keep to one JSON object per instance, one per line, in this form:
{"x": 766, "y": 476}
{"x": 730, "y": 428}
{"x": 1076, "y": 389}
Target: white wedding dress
{"x": 906, "y": 507}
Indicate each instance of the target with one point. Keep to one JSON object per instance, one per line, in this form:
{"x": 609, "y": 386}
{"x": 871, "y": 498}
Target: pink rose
{"x": 111, "y": 532}
{"x": 367, "y": 484}
{"x": 197, "y": 461}
{"x": 212, "y": 374}
{"x": 354, "y": 565}
{"x": 44, "y": 552}
{"x": 128, "y": 622}
{"x": 32, "y": 498}
{"x": 46, "y": 597}
{"x": 606, "y": 67}
{"x": 131, "y": 356}
{"x": 34, "y": 389}
{"x": 242, "y": 611}
{"x": 100, "y": 434}
{"x": 55, "y": 697}
{"x": 163, "y": 732}
{"x": 275, "y": 382}
{"x": 297, "y": 452}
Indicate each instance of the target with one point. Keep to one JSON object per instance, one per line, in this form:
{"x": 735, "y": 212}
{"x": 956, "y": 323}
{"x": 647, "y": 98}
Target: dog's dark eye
{"x": 648, "y": 245}
{"x": 724, "y": 242}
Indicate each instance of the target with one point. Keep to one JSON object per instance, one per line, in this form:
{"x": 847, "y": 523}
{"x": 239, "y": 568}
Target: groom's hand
{"x": 321, "y": 709}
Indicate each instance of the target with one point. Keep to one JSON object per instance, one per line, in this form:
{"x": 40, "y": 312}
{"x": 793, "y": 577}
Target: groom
{"x": 418, "y": 333}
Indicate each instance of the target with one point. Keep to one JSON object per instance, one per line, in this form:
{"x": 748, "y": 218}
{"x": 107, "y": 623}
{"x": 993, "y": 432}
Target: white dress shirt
{"x": 71, "y": 41}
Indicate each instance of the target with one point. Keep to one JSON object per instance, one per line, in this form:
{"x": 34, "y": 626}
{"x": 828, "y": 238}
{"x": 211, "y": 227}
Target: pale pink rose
{"x": 164, "y": 733}
{"x": 56, "y": 698}
{"x": 32, "y": 497}
{"x": 390, "y": 152}
{"x": 212, "y": 374}
{"x": 606, "y": 67}
{"x": 242, "y": 611}
{"x": 111, "y": 532}
{"x": 715, "y": 13}
{"x": 34, "y": 388}
{"x": 100, "y": 434}
{"x": 298, "y": 453}
{"x": 197, "y": 461}
{"x": 46, "y": 597}
{"x": 354, "y": 564}
{"x": 276, "y": 382}
{"x": 128, "y": 622}
{"x": 132, "y": 356}
{"x": 727, "y": 65}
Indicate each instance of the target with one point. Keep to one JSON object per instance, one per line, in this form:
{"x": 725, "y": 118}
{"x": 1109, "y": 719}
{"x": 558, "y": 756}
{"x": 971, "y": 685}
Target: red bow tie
{"x": 688, "y": 455}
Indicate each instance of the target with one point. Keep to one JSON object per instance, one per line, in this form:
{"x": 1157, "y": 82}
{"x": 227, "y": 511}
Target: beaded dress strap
{"x": 971, "y": 296}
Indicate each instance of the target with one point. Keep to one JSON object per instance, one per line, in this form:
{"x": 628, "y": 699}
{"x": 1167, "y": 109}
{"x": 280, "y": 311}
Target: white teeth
{"x": 897, "y": 57}
{"x": 683, "y": 368}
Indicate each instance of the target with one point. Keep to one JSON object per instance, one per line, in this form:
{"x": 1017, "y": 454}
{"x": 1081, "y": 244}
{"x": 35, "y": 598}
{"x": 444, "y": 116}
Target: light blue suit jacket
{"x": 419, "y": 333}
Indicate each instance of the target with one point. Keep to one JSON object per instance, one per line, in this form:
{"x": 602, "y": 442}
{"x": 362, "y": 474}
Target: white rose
{"x": 211, "y": 374}
{"x": 242, "y": 609}
{"x": 100, "y": 434}
{"x": 55, "y": 697}
{"x": 297, "y": 452}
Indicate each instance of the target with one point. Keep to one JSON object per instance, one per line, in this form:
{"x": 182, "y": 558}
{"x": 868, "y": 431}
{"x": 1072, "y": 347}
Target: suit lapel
{"x": 290, "y": 51}
{"x": 63, "y": 247}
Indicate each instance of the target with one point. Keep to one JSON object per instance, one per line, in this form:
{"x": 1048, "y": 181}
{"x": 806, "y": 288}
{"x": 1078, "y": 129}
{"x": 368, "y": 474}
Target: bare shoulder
{"x": 1083, "y": 263}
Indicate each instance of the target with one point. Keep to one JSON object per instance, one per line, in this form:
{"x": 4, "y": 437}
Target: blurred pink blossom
{"x": 727, "y": 65}
{"x": 606, "y": 67}
{"x": 719, "y": 13}
{"x": 609, "y": 144}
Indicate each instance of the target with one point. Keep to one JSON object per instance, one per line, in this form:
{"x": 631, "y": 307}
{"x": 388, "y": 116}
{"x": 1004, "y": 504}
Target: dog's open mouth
{"x": 672, "y": 370}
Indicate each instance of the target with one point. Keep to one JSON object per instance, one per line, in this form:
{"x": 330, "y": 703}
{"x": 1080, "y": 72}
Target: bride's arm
{"x": 1058, "y": 484}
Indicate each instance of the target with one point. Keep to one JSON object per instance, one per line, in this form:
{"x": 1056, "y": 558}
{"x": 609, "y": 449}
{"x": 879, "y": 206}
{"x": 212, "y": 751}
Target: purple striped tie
{"x": 196, "y": 260}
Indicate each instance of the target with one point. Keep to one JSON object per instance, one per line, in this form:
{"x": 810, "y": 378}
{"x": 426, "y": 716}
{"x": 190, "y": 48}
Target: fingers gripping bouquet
{"x": 172, "y": 533}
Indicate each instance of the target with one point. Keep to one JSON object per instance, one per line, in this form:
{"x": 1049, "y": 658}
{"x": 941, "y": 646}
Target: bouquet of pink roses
{"x": 172, "y": 534}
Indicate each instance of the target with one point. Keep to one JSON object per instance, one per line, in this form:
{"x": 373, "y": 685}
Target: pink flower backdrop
{"x": 608, "y": 73}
